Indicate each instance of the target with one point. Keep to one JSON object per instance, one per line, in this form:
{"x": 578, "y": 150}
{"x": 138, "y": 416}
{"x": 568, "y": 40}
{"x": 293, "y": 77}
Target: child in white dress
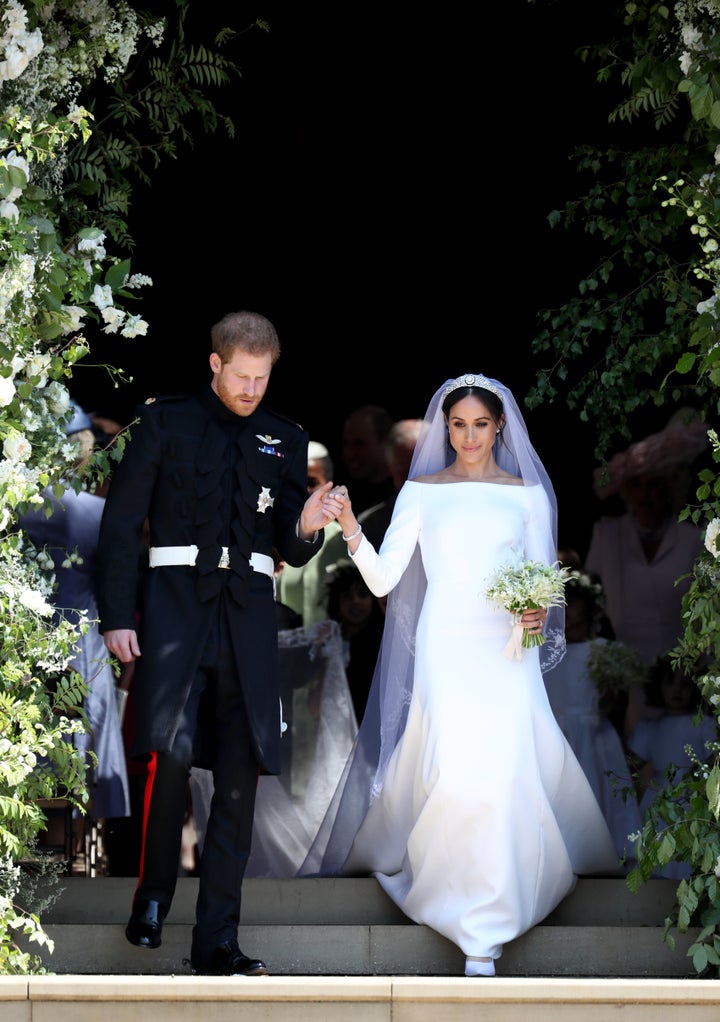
{"x": 583, "y": 717}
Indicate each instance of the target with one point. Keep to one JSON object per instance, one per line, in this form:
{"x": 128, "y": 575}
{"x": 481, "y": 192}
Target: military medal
{"x": 265, "y": 500}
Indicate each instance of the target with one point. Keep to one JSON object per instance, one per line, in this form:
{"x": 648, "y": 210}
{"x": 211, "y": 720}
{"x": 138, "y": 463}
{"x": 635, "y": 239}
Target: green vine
{"x": 92, "y": 98}
{"x": 644, "y": 328}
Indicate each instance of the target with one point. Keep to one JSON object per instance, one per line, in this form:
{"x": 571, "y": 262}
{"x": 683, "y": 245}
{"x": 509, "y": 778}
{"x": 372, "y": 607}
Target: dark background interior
{"x": 384, "y": 203}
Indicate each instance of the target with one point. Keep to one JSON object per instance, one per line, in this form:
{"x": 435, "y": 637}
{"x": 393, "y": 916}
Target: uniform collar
{"x": 212, "y": 404}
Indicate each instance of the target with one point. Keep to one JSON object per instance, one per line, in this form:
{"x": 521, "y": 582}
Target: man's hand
{"x": 122, "y": 643}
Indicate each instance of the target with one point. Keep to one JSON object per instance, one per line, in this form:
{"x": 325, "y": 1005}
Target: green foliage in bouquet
{"x": 528, "y": 585}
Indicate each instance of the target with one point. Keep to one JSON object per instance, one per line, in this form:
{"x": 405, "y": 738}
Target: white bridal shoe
{"x": 479, "y": 966}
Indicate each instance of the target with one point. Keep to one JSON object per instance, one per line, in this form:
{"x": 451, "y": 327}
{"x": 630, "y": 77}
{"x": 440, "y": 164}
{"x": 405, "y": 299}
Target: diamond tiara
{"x": 471, "y": 380}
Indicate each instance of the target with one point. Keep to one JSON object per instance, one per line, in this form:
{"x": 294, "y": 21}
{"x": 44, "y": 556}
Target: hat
{"x": 660, "y": 454}
{"x": 316, "y": 451}
{"x": 79, "y": 419}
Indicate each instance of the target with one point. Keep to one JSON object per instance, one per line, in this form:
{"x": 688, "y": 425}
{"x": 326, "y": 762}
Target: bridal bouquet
{"x": 526, "y": 585}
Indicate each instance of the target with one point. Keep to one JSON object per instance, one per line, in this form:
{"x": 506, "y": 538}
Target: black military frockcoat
{"x": 201, "y": 475}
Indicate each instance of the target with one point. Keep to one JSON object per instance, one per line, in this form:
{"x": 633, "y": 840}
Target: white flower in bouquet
{"x": 527, "y": 585}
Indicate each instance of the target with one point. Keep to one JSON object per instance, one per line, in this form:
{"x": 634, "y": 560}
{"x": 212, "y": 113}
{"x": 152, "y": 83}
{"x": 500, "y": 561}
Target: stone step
{"x": 354, "y": 999}
{"x": 341, "y": 951}
{"x": 349, "y": 927}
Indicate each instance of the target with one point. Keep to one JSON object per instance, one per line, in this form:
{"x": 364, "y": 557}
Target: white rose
{"x": 134, "y": 327}
{"x": 9, "y": 211}
{"x": 37, "y": 366}
{"x": 102, "y": 295}
{"x": 114, "y": 318}
{"x": 13, "y": 160}
{"x": 75, "y": 318}
{"x": 58, "y": 398}
{"x": 711, "y": 537}
{"x": 34, "y": 600}
{"x": 17, "y": 447}
{"x": 7, "y": 391}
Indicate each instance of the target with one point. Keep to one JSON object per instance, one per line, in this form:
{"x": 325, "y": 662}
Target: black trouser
{"x": 229, "y": 829}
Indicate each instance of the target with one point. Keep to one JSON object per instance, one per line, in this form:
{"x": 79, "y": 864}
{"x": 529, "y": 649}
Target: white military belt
{"x": 166, "y": 556}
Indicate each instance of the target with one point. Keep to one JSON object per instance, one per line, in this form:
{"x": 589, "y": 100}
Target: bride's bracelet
{"x": 354, "y": 534}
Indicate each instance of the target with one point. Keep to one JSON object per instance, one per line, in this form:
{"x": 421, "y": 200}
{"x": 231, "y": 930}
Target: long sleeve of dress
{"x": 383, "y": 569}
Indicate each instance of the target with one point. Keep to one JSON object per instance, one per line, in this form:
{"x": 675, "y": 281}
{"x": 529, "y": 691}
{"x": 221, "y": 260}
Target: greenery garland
{"x": 92, "y": 96}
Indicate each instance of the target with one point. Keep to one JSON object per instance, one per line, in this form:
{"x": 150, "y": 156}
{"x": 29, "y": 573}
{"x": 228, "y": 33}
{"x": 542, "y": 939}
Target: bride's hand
{"x": 533, "y": 620}
{"x": 338, "y": 501}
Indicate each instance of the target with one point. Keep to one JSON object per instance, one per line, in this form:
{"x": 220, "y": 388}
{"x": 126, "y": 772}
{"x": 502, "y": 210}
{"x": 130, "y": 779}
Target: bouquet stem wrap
{"x": 514, "y": 648}
{"x": 520, "y": 639}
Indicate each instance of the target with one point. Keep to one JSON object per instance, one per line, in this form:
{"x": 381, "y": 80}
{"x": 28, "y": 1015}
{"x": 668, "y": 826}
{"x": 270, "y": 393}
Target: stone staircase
{"x": 349, "y": 927}
{"x": 339, "y": 948}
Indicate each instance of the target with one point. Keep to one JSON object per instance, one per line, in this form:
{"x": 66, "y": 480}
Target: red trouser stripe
{"x": 149, "y": 781}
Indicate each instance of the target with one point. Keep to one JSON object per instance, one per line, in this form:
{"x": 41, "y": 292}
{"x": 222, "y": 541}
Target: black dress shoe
{"x": 144, "y": 928}
{"x": 228, "y": 960}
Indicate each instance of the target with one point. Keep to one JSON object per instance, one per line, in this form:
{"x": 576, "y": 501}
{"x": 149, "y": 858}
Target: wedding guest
{"x": 400, "y": 446}
{"x": 287, "y": 617}
{"x": 361, "y": 621}
{"x": 462, "y": 795}
{"x": 291, "y": 806}
{"x": 70, "y": 537}
{"x": 661, "y": 743}
{"x": 302, "y": 588}
{"x": 644, "y": 554}
{"x": 579, "y": 708}
{"x": 364, "y": 454}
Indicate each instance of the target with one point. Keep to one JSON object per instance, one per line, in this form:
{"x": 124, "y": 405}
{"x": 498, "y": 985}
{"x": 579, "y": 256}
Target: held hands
{"x": 324, "y": 505}
{"x": 338, "y": 499}
{"x": 318, "y": 511}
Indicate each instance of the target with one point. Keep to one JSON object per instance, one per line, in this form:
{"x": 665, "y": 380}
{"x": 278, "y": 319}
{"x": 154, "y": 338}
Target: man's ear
{"x": 215, "y": 362}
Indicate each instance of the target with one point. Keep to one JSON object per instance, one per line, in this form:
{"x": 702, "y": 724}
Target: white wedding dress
{"x": 485, "y": 817}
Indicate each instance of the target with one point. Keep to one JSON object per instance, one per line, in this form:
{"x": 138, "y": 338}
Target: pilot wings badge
{"x": 268, "y": 445}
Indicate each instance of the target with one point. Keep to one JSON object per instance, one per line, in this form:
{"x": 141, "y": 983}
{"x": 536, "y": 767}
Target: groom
{"x": 219, "y": 481}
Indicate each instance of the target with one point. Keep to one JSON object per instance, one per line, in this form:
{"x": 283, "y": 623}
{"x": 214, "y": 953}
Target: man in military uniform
{"x": 217, "y": 481}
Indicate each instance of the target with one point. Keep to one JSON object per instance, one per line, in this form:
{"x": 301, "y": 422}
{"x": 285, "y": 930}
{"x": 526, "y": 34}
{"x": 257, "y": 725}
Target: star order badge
{"x": 265, "y": 500}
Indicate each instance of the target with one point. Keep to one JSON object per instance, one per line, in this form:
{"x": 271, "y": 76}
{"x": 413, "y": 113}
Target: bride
{"x": 462, "y": 796}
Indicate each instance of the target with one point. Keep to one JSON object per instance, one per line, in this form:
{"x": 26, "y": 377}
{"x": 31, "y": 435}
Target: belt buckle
{"x": 224, "y": 561}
